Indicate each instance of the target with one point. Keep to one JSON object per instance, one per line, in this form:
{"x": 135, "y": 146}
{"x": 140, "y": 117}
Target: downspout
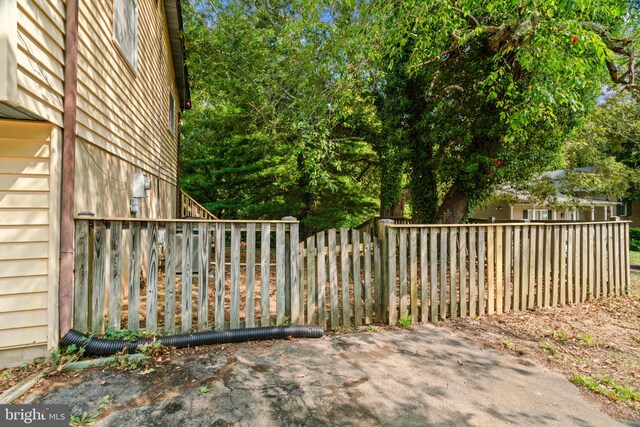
{"x": 65, "y": 292}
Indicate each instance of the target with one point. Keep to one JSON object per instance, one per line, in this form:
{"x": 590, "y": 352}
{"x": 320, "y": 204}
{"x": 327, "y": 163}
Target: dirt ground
{"x": 595, "y": 345}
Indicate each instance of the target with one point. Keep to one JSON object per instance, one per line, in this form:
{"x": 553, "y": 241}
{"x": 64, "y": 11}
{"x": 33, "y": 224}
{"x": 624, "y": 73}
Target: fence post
{"x": 288, "y": 271}
{"x": 382, "y": 300}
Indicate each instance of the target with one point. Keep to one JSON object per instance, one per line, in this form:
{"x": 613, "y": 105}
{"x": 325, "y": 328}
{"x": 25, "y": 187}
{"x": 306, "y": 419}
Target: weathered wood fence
{"x": 439, "y": 271}
{"x": 179, "y": 275}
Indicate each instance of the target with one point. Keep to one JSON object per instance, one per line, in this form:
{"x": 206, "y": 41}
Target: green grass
{"x": 607, "y": 387}
{"x": 634, "y": 257}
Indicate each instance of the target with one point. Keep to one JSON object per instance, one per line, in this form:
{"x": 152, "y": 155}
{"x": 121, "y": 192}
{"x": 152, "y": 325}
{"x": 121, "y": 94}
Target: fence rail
{"x": 189, "y": 208}
{"x": 179, "y": 275}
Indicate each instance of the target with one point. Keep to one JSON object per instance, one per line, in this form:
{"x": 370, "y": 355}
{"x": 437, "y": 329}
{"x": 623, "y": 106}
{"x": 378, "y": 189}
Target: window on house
{"x": 537, "y": 214}
{"x": 125, "y": 30}
{"x": 623, "y": 209}
{"x": 172, "y": 114}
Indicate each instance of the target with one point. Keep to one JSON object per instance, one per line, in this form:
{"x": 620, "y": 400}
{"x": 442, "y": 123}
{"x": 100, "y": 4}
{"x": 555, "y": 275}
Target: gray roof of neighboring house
{"x": 173, "y": 13}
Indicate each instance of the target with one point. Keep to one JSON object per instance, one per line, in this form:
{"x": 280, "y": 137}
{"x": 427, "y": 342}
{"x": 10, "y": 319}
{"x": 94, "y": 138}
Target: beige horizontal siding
{"x": 20, "y": 302}
{"x": 122, "y": 112}
{"x": 25, "y": 150}
{"x": 41, "y": 58}
{"x": 23, "y": 336}
{"x": 23, "y": 285}
{"x": 23, "y": 319}
{"x": 23, "y": 267}
{"x": 24, "y": 233}
{"x": 24, "y": 250}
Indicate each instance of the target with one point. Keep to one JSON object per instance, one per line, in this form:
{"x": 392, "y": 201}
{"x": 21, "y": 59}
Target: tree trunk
{"x": 454, "y": 207}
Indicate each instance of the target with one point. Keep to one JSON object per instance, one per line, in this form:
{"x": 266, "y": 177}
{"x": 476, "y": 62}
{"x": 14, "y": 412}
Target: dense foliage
{"x": 319, "y": 109}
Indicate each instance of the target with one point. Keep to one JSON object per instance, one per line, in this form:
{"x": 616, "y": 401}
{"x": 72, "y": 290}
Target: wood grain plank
{"x": 265, "y": 274}
{"x": 280, "y": 274}
{"x": 402, "y": 256}
{"x": 250, "y": 271}
{"x": 491, "y": 270}
{"x": 533, "y": 244}
{"x": 540, "y": 267}
{"x": 500, "y": 270}
{"x": 312, "y": 293}
{"x": 81, "y": 276}
{"x": 204, "y": 246}
{"x": 508, "y": 266}
{"x": 547, "y": 266}
{"x": 524, "y": 280}
{"x": 333, "y": 278}
{"x": 170, "y": 278}
{"x": 357, "y": 280}
{"x": 220, "y": 278}
{"x": 135, "y": 255}
{"x": 563, "y": 265}
{"x": 391, "y": 278}
{"x": 296, "y": 280}
{"x": 482, "y": 251}
{"x": 99, "y": 275}
{"x": 322, "y": 280}
{"x": 473, "y": 282}
{"x": 570, "y": 252}
{"x": 627, "y": 266}
{"x": 597, "y": 264}
{"x": 576, "y": 264}
{"x": 453, "y": 270}
{"x": 433, "y": 269}
{"x": 610, "y": 261}
{"x": 424, "y": 278}
{"x": 344, "y": 282}
{"x": 377, "y": 280}
{"x": 151, "y": 323}
{"x": 413, "y": 273}
{"x": 557, "y": 247}
{"x": 616, "y": 256}
{"x": 517, "y": 260}
{"x": 234, "y": 319}
{"x": 590, "y": 262}
{"x": 583, "y": 264}
{"x": 115, "y": 274}
{"x": 462, "y": 263}
{"x": 444, "y": 264}
{"x": 368, "y": 296}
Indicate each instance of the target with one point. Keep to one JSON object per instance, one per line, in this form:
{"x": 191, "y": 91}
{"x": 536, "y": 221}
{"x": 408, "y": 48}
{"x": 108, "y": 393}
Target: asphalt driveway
{"x": 419, "y": 377}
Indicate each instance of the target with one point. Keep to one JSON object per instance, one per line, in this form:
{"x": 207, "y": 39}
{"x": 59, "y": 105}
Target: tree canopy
{"x": 320, "y": 109}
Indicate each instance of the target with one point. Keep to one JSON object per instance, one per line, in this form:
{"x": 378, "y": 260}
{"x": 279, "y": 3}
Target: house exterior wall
{"x": 123, "y": 114}
{"x": 28, "y": 234}
{"x": 635, "y": 215}
{"x": 122, "y": 128}
{"x": 500, "y": 211}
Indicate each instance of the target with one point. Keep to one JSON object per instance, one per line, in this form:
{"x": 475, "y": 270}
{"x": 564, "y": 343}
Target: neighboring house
{"x": 119, "y": 119}
{"x": 521, "y": 207}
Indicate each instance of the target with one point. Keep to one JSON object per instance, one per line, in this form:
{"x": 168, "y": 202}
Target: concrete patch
{"x": 418, "y": 377}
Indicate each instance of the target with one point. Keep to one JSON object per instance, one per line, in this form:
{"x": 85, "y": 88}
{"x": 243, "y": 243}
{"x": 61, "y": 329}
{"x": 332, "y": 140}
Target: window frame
{"x": 130, "y": 58}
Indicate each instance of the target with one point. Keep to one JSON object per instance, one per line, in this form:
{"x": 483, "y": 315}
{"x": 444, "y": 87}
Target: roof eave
{"x": 173, "y": 14}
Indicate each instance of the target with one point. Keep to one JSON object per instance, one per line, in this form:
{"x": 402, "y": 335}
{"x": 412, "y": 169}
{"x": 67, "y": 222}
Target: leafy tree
{"x": 271, "y": 133}
{"x": 483, "y": 93}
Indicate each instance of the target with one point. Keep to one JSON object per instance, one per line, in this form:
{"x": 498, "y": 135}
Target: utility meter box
{"x": 141, "y": 184}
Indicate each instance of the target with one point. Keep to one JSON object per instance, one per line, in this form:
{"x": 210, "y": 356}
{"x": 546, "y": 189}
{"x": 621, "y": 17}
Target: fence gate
{"x": 341, "y": 273}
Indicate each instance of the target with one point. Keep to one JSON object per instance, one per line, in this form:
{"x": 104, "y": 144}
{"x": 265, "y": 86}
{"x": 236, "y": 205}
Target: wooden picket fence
{"x": 437, "y": 271}
{"x": 181, "y": 275}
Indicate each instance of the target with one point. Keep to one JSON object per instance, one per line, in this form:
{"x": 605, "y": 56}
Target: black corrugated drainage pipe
{"x": 107, "y": 347}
